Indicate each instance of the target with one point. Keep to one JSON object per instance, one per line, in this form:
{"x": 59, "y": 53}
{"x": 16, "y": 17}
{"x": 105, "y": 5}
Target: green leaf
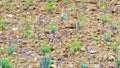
{"x": 10, "y": 50}
{"x": 44, "y": 49}
{"x": 49, "y": 1}
{"x": 49, "y": 7}
{"x": 65, "y": 1}
{"x": 2, "y": 25}
{"x": 117, "y": 61}
{"x": 82, "y": 66}
{"x": 6, "y": 7}
{"x": 46, "y": 62}
{"x": 75, "y": 46}
{"x": 107, "y": 38}
{"x": 52, "y": 28}
{"x": 104, "y": 18}
{"x": 114, "y": 46}
{"x": 4, "y": 63}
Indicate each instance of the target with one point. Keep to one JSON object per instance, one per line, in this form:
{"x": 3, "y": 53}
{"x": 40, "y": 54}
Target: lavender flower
{"x": 34, "y": 28}
{"x": 102, "y": 31}
{"x": 57, "y": 64}
{"x": 101, "y": 61}
{"x": 88, "y": 60}
{"x": 112, "y": 29}
{"x": 2, "y": 40}
{"x": 16, "y": 40}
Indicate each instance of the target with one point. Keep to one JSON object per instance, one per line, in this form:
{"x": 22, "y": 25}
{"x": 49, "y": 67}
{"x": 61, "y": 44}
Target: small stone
{"x": 14, "y": 29}
{"x": 10, "y": 15}
{"x": 92, "y": 52}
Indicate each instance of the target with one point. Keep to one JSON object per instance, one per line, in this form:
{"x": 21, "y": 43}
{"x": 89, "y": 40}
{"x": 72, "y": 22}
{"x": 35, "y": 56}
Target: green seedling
{"x": 44, "y": 49}
{"x": 63, "y": 16}
{"x": 27, "y": 2}
{"x": 6, "y": 7}
{"x": 114, "y": 47}
{"x": 75, "y": 46}
{"x": 2, "y": 25}
{"x": 26, "y": 26}
{"x": 18, "y": 18}
{"x": 65, "y": 1}
{"x": 81, "y": 17}
{"x": 26, "y": 30}
{"x": 49, "y": 7}
{"x": 10, "y": 50}
{"x": 93, "y": 38}
{"x": 104, "y": 18}
{"x": 49, "y": 1}
{"x": 26, "y": 33}
{"x": 117, "y": 61}
{"x": 114, "y": 25}
{"x": 4, "y": 64}
{"x": 45, "y": 62}
{"x": 52, "y": 28}
{"x": 100, "y": 3}
{"x": 107, "y": 38}
{"x": 82, "y": 1}
{"x": 82, "y": 66}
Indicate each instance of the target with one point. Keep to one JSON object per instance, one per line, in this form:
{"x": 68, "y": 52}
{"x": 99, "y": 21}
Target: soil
{"x": 37, "y": 15}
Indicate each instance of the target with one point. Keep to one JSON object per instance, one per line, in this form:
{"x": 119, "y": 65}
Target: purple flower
{"x": 86, "y": 47}
{"x": 2, "y": 40}
{"x": 62, "y": 59}
{"x": 88, "y": 60}
{"x": 112, "y": 29}
{"x": 34, "y": 28}
{"x": 57, "y": 64}
{"x": 16, "y": 40}
{"x": 102, "y": 31}
{"x": 101, "y": 61}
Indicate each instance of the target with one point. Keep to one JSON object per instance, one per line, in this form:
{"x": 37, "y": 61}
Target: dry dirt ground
{"x": 37, "y": 15}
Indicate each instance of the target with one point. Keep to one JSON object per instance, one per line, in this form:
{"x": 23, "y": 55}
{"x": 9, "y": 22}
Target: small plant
{"x": 117, "y": 61}
{"x": 4, "y": 63}
{"x": 81, "y": 17}
{"x": 49, "y": 1}
{"x": 26, "y": 26}
{"x": 107, "y": 38}
{"x": 49, "y": 7}
{"x": 26, "y": 33}
{"x": 100, "y": 3}
{"x": 26, "y": 30}
{"x": 63, "y": 16}
{"x": 10, "y": 50}
{"x": 114, "y": 46}
{"x": 44, "y": 49}
{"x": 104, "y": 18}
{"x": 65, "y": 1}
{"x": 93, "y": 38}
{"x": 75, "y": 46}
{"x": 6, "y": 7}
{"x": 45, "y": 62}
{"x": 114, "y": 25}
{"x": 82, "y": 1}
{"x": 82, "y": 66}
{"x": 27, "y": 2}
{"x": 52, "y": 28}
{"x": 2, "y": 25}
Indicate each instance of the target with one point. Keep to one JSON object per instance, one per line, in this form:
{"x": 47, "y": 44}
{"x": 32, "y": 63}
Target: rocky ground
{"x": 94, "y": 54}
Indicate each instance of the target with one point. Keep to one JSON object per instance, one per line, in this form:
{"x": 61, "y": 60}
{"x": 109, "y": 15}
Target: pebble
{"x": 14, "y": 29}
{"x": 92, "y": 51}
{"x": 10, "y": 15}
